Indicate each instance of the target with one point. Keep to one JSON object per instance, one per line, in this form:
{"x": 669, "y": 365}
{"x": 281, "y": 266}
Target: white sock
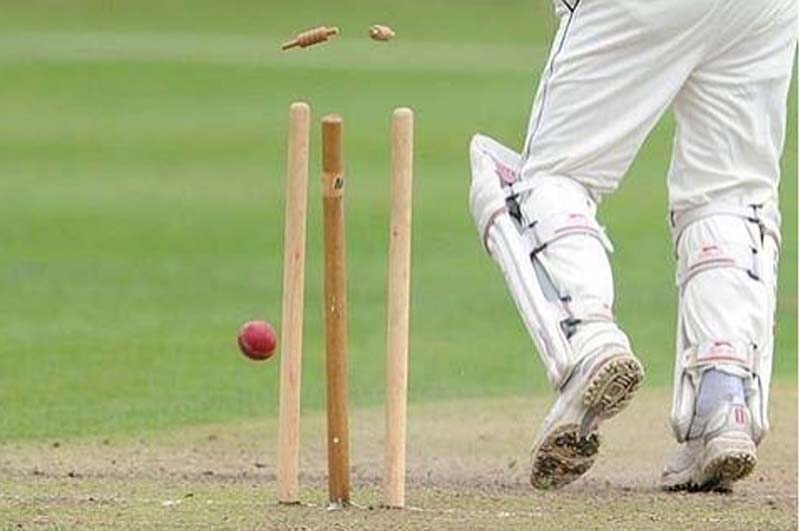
{"x": 717, "y": 387}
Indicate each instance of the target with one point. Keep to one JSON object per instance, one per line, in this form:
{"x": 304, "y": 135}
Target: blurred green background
{"x": 142, "y": 162}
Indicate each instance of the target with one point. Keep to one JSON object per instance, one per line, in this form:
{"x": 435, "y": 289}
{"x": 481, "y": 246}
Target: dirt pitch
{"x": 468, "y": 466}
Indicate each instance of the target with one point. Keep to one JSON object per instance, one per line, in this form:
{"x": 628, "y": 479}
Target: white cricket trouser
{"x": 725, "y": 66}
{"x": 616, "y": 65}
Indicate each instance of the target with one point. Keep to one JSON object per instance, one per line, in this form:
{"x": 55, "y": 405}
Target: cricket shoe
{"x": 721, "y": 453}
{"x": 598, "y": 388}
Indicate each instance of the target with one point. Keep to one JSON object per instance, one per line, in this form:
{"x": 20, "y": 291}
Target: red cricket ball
{"x": 257, "y": 340}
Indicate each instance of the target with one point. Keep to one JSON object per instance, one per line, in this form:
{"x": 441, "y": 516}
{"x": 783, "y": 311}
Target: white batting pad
{"x": 552, "y": 253}
{"x": 727, "y": 259}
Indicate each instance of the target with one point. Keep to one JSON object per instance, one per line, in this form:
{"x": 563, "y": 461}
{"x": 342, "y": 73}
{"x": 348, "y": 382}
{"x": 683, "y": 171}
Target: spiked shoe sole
{"x": 613, "y": 387}
{"x": 563, "y": 456}
{"x": 567, "y": 452}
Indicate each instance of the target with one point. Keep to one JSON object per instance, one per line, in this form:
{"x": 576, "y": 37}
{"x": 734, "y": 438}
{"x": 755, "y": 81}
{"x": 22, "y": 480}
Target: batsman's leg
{"x": 536, "y": 212}
{"x": 724, "y": 195}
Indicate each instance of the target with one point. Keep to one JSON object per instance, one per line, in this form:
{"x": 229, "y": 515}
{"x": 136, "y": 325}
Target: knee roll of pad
{"x": 726, "y": 275}
{"x": 553, "y": 255}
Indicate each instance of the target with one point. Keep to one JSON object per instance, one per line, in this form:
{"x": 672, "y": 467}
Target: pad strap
{"x": 587, "y": 309}
{"x": 767, "y": 219}
{"x": 519, "y": 187}
{"x": 718, "y": 256}
{"x": 543, "y": 232}
{"x": 719, "y": 352}
{"x": 584, "y": 310}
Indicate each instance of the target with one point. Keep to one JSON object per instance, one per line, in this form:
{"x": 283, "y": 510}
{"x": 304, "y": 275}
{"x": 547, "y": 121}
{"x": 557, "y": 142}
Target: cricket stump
{"x": 397, "y": 336}
{"x": 335, "y": 310}
{"x": 292, "y": 318}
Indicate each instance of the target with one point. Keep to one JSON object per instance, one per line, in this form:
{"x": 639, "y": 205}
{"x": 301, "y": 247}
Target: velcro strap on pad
{"x": 521, "y": 186}
{"x": 588, "y": 309}
{"x": 716, "y": 256}
{"x": 767, "y": 218}
{"x": 543, "y": 232}
{"x": 709, "y": 353}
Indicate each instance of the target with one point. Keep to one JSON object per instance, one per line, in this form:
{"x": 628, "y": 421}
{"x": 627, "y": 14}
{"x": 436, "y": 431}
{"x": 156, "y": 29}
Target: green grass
{"x": 141, "y": 217}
